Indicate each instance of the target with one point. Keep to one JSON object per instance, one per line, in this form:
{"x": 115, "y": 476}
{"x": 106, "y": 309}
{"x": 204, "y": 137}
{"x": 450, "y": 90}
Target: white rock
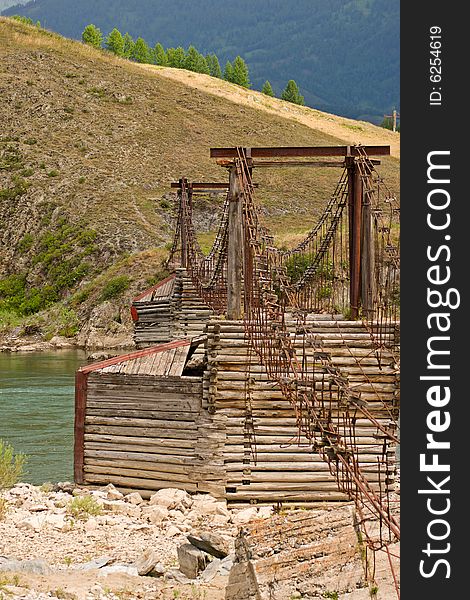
{"x": 127, "y": 569}
{"x": 264, "y": 512}
{"x": 34, "y": 523}
{"x": 91, "y": 524}
{"x": 172, "y": 531}
{"x": 122, "y": 508}
{"x": 56, "y": 521}
{"x": 37, "y": 508}
{"x": 134, "y": 498}
{"x": 155, "y": 514}
{"x": 244, "y": 516}
{"x": 176, "y": 515}
{"x": 170, "y": 498}
{"x": 112, "y": 493}
{"x": 219, "y": 519}
{"x": 210, "y": 506}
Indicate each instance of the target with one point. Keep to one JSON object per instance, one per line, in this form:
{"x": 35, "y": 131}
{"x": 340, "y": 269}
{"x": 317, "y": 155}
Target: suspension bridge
{"x": 263, "y": 374}
{"x": 348, "y": 263}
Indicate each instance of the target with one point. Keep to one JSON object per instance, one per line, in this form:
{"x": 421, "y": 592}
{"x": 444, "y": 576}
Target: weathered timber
{"x": 143, "y": 431}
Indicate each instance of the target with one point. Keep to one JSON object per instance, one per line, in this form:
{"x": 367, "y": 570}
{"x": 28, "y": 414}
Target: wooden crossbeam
{"x": 292, "y": 163}
{"x": 200, "y": 185}
{"x": 306, "y": 151}
{"x": 204, "y": 187}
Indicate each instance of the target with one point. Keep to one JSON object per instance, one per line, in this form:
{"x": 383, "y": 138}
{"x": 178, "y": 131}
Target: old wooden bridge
{"x": 262, "y": 375}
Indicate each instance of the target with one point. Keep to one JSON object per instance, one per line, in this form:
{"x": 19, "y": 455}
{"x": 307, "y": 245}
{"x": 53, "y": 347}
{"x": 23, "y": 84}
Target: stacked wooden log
{"x": 266, "y": 458}
{"x": 189, "y": 313}
{"x": 172, "y": 309}
{"x": 153, "y": 315}
{"x": 141, "y": 431}
{"x": 230, "y": 431}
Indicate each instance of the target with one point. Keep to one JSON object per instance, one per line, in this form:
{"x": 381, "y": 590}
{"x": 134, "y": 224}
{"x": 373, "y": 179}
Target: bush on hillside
{"x": 115, "y": 287}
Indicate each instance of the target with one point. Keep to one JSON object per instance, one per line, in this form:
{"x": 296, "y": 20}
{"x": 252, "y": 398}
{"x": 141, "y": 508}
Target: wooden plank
{"x": 148, "y": 484}
{"x": 133, "y": 355}
{"x": 119, "y": 471}
{"x": 150, "y": 432}
{"x": 121, "y": 455}
{"x": 156, "y": 444}
{"x": 179, "y": 362}
{"x": 168, "y": 409}
{"x": 297, "y": 151}
{"x": 132, "y": 413}
{"x": 161, "y": 469}
{"x": 79, "y": 425}
{"x": 187, "y": 426}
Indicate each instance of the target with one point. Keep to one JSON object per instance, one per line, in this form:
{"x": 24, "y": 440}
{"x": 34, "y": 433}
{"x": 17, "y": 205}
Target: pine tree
{"x": 214, "y": 66}
{"x": 92, "y": 36}
{"x": 291, "y": 93}
{"x": 160, "y": 55}
{"x": 268, "y": 89}
{"x": 240, "y": 72}
{"x": 115, "y": 42}
{"x": 194, "y": 61}
{"x": 128, "y": 46}
{"x": 176, "y": 57}
{"x": 228, "y": 71}
{"x": 141, "y": 52}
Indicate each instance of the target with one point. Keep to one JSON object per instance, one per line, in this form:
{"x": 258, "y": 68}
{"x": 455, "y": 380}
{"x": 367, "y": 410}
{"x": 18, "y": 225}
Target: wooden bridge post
{"x": 234, "y": 249}
{"x": 184, "y": 242}
{"x": 355, "y": 222}
{"x": 367, "y": 258}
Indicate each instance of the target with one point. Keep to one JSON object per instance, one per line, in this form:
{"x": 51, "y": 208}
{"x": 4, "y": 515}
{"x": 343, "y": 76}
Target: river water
{"x": 37, "y": 410}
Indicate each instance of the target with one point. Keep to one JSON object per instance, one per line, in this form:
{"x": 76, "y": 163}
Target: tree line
{"x": 138, "y": 50}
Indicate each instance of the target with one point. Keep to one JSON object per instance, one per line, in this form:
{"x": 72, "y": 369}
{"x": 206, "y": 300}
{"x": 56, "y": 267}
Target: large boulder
{"x": 192, "y": 561}
{"x": 212, "y": 543}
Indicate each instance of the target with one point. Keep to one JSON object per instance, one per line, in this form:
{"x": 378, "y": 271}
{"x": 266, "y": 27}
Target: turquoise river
{"x": 37, "y": 410}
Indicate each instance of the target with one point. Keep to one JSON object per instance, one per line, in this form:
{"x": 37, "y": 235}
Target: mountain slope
{"x": 343, "y": 53}
{"x": 90, "y": 146}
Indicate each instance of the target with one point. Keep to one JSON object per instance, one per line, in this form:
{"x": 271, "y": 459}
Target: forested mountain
{"x": 344, "y": 54}
{"x": 7, "y": 3}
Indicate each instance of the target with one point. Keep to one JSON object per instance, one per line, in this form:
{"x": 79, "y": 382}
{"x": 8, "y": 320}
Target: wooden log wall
{"x": 265, "y": 459}
{"x": 146, "y": 433}
{"x": 182, "y": 314}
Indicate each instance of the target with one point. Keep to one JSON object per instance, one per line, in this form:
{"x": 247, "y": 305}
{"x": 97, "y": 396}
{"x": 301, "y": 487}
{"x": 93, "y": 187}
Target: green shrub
{"x": 68, "y": 322}
{"x": 26, "y": 243}
{"x": 11, "y": 465}
{"x": 19, "y": 188}
{"x": 82, "y": 507}
{"x": 115, "y": 287}
{"x": 297, "y": 264}
{"x": 80, "y": 296}
{"x": 9, "y": 318}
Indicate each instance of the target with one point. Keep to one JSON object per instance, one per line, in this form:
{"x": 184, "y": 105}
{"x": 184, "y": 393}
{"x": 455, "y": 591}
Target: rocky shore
{"x": 65, "y": 542}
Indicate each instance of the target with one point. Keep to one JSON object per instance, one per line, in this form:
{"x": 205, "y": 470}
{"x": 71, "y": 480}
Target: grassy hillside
{"x": 89, "y": 146}
{"x": 343, "y": 53}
